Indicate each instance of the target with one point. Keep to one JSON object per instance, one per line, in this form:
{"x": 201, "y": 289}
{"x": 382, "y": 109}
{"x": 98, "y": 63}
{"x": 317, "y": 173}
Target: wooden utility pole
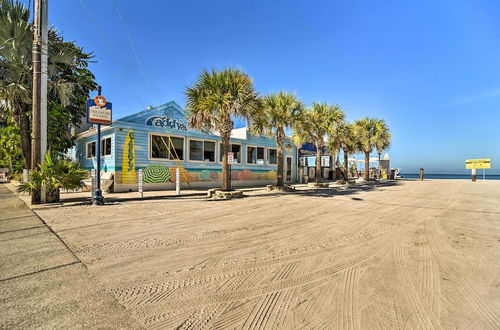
{"x": 39, "y": 102}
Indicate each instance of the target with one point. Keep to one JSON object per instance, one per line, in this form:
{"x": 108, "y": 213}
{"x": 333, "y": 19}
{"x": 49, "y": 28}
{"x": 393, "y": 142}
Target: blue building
{"x": 158, "y": 141}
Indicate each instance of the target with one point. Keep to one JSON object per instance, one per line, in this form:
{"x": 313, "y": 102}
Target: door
{"x": 288, "y": 176}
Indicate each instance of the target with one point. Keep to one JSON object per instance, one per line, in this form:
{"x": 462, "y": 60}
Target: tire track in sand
{"x": 480, "y": 307}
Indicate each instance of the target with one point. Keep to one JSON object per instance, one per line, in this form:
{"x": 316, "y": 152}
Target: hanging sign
{"x": 477, "y": 163}
{"x": 99, "y": 111}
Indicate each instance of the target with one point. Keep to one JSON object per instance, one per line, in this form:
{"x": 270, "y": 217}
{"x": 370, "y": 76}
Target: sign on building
{"x": 477, "y": 163}
{"x": 99, "y": 111}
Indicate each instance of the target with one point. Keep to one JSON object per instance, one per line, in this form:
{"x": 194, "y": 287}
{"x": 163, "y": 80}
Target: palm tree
{"x": 314, "y": 126}
{"x": 343, "y": 137}
{"x": 366, "y": 132}
{"x": 279, "y": 111}
{"x": 16, "y": 38}
{"x": 69, "y": 80}
{"x": 214, "y": 100}
{"x": 383, "y": 140}
{"x": 54, "y": 174}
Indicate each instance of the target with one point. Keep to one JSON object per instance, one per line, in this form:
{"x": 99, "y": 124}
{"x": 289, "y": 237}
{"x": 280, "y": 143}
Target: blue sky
{"x": 430, "y": 68}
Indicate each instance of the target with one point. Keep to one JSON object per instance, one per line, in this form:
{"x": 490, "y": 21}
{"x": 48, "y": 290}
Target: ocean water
{"x": 451, "y": 176}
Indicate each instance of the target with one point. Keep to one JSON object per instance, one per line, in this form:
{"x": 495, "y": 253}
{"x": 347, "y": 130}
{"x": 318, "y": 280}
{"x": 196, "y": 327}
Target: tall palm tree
{"x": 69, "y": 80}
{"x": 279, "y": 112}
{"x": 383, "y": 139}
{"x": 343, "y": 137}
{"x": 365, "y": 130}
{"x": 315, "y": 125}
{"x": 215, "y": 99}
{"x": 16, "y": 38}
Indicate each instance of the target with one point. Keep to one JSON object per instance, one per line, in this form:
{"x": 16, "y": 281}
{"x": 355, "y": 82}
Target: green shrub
{"x": 54, "y": 174}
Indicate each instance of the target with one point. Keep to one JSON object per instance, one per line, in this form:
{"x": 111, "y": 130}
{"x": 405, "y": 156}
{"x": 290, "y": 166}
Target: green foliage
{"x": 217, "y": 96}
{"x": 69, "y": 79}
{"x": 278, "y": 111}
{"x": 10, "y": 154}
{"x": 343, "y": 137}
{"x": 366, "y": 133}
{"x": 54, "y": 174}
{"x": 317, "y": 123}
{"x": 383, "y": 140}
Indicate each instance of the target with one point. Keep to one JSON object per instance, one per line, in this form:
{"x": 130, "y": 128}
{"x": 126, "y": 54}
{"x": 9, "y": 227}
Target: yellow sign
{"x": 477, "y": 163}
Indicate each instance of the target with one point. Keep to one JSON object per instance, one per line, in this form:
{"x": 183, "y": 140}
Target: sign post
{"x": 473, "y": 164}
{"x": 99, "y": 111}
{"x": 230, "y": 161}
{"x": 140, "y": 182}
{"x": 177, "y": 181}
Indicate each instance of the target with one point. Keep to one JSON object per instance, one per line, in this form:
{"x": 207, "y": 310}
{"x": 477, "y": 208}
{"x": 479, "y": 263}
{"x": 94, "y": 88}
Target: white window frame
{"x": 87, "y": 149}
{"x": 254, "y": 146}
{"x": 167, "y": 135}
{"x": 267, "y": 156}
{"x": 101, "y": 149}
{"x": 201, "y": 140}
{"x": 102, "y": 156}
{"x": 221, "y": 149}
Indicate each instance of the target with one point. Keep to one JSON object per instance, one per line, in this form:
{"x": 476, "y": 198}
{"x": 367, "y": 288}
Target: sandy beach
{"x": 399, "y": 255}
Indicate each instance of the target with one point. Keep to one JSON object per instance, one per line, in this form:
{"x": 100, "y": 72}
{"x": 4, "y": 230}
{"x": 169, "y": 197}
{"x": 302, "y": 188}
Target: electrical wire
{"x": 131, "y": 43}
{"x": 110, "y": 50}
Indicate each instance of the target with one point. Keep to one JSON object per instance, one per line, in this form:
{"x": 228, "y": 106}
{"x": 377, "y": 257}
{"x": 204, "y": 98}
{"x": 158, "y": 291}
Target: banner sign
{"x": 99, "y": 114}
{"x": 477, "y": 163}
{"x": 166, "y": 122}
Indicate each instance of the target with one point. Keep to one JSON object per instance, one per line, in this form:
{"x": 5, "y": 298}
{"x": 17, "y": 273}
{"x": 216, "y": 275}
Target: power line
{"x": 110, "y": 49}
{"x": 139, "y": 63}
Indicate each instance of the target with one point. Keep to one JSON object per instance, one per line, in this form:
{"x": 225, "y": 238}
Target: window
{"x": 91, "y": 149}
{"x": 271, "y": 156}
{"x": 255, "y": 155}
{"x": 235, "y": 149}
{"x": 106, "y": 147}
{"x": 202, "y": 150}
{"x": 166, "y": 147}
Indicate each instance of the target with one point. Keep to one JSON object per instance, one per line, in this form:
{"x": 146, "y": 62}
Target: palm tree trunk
{"x": 367, "y": 165}
{"x": 280, "y": 140}
{"x": 346, "y": 165}
{"x": 25, "y": 132}
{"x": 226, "y": 175}
{"x": 225, "y": 134}
{"x": 319, "y": 152}
{"x": 379, "y": 166}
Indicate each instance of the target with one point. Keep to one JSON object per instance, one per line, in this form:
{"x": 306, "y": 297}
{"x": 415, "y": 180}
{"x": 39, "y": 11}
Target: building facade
{"x": 158, "y": 141}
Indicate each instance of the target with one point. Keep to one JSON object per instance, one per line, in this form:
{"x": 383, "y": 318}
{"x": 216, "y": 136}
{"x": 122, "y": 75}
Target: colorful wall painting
{"x": 272, "y": 175}
{"x": 129, "y": 174}
{"x": 246, "y": 175}
{"x": 185, "y": 176}
{"x": 156, "y": 173}
{"x": 204, "y": 175}
{"x": 214, "y": 176}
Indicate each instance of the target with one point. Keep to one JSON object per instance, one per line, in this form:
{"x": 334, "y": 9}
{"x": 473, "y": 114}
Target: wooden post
{"x": 421, "y": 174}
{"x": 474, "y": 176}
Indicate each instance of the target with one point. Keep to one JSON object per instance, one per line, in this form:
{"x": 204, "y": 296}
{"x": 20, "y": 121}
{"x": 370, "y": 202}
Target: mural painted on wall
{"x": 129, "y": 174}
{"x": 185, "y": 175}
{"x": 156, "y": 173}
{"x": 159, "y": 173}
